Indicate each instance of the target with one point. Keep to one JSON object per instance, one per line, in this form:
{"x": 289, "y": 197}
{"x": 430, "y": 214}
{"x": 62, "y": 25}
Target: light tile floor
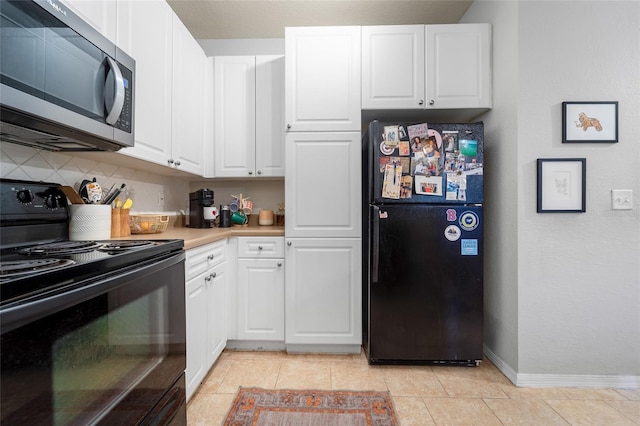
{"x": 422, "y": 395}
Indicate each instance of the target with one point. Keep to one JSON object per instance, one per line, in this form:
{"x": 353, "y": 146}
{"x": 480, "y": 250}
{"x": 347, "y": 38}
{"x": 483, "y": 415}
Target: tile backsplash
{"x": 25, "y": 163}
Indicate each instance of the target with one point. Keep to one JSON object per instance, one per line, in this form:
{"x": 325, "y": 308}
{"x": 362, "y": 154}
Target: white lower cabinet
{"x": 260, "y": 290}
{"x": 323, "y": 294}
{"x": 206, "y": 308}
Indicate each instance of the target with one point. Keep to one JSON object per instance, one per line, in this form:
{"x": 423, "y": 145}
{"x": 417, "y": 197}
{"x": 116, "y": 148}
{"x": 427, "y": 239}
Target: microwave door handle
{"x": 114, "y": 77}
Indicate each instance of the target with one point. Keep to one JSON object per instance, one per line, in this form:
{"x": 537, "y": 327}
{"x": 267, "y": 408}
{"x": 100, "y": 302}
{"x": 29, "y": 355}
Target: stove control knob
{"x": 53, "y": 200}
{"x": 24, "y": 196}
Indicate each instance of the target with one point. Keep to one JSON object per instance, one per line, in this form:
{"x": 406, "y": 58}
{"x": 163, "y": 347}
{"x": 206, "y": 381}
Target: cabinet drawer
{"x": 261, "y": 247}
{"x": 199, "y": 259}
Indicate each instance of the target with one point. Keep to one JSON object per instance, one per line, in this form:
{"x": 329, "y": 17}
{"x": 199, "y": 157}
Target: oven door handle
{"x": 24, "y": 312}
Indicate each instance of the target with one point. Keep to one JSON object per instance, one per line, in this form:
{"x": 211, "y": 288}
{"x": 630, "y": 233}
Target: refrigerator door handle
{"x": 375, "y": 255}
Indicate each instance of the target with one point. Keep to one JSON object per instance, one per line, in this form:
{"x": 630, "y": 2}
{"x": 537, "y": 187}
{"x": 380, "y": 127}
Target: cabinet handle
{"x": 420, "y": 102}
{"x": 259, "y": 247}
{"x": 432, "y": 102}
{"x": 250, "y": 172}
{"x": 210, "y": 257}
{"x": 288, "y": 126}
{"x": 170, "y": 161}
{"x": 289, "y": 243}
{"x": 259, "y": 172}
{"x": 178, "y": 163}
{"x": 207, "y": 278}
{"x": 213, "y": 275}
{"x": 279, "y": 264}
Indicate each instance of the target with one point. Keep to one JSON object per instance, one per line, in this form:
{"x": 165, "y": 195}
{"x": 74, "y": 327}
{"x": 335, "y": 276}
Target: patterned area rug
{"x": 261, "y": 407}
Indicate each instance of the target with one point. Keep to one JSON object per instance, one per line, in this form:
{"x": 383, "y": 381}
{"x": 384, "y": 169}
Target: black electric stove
{"x": 37, "y": 259}
{"x": 91, "y": 332}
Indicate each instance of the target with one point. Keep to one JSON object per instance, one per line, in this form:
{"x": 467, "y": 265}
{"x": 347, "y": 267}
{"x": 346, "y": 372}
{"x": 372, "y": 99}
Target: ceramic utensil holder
{"x": 90, "y": 222}
{"x": 120, "y": 223}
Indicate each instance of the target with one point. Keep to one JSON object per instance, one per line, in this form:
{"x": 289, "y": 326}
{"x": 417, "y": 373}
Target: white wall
{"x": 577, "y": 278}
{"x": 501, "y": 183}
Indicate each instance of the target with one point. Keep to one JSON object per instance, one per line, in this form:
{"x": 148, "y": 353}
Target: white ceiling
{"x": 231, "y": 19}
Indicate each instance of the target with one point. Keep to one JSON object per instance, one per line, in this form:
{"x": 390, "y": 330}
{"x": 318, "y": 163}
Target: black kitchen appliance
{"x": 422, "y": 245}
{"x": 201, "y": 207}
{"x": 92, "y": 332}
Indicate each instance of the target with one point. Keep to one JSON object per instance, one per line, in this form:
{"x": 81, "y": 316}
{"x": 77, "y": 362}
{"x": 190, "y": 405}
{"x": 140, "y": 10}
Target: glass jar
{"x": 279, "y": 215}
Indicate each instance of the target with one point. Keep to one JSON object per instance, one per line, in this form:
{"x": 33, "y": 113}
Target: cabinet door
{"x": 269, "y": 136}
{"x": 216, "y": 336}
{"x": 196, "y": 308}
{"x": 323, "y": 185}
{"x": 145, "y": 32}
{"x": 261, "y": 299}
{"x": 100, "y": 14}
{"x": 322, "y": 78}
{"x": 235, "y": 116}
{"x": 323, "y": 291}
{"x": 458, "y": 66}
{"x": 393, "y": 67}
{"x": 188, "y": 106}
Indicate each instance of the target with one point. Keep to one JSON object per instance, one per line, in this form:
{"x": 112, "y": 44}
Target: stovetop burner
{"x": 60, "y": 248}
{"x": 126, "y": 245}
{"x": 18, "y": 268}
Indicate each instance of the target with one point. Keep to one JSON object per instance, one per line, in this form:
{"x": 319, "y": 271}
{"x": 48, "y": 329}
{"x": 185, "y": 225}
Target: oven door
{"x": 110, "y": 350}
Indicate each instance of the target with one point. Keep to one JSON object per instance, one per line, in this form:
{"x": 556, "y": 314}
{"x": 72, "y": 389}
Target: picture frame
{"x": 562, "y": 185}
{"x": 595, "y": 122}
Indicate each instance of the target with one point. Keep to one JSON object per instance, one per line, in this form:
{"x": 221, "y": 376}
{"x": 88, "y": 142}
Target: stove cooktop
{"x": 29, "y": 269}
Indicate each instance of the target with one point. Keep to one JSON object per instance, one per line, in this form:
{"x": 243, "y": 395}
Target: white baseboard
{"x": 562, "y": 380}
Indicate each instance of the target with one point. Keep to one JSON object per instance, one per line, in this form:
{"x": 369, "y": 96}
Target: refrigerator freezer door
{"x": 427, "y": 303}
{"x": 460, "y": 164}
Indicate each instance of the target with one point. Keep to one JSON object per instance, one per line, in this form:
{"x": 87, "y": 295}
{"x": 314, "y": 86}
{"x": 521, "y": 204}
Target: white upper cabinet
{"x": 170, "y": 100}
{"x": 458, "y": 66}
{"x": 189, "y": 103}
{"x": 323, "y": 185}
{"x": 145, "y": 32}
{"x": 269, "y": 116}
{"x": 322, "y": 79}
{"x": 249, "y": 111}
{"x": 100, "y": 14}
{"x": 393, "y": 67}
{"x": 426, "y": 67}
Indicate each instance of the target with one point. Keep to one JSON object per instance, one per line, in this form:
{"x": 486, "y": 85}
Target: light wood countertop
{"x": 194, "y": 237}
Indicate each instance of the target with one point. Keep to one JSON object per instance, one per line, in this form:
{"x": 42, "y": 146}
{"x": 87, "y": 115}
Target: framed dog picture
{"x": 590, "y": 122}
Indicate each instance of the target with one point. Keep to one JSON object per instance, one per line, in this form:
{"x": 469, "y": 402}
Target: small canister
{"x": 225, "y": 217}
{"x": 265, "y": 217}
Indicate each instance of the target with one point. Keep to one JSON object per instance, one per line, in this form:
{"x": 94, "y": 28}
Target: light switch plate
{"x": 621, "y": 199}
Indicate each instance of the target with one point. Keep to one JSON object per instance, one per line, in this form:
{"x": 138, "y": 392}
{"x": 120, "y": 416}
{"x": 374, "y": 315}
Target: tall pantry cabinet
{"x": 322, "y": 189}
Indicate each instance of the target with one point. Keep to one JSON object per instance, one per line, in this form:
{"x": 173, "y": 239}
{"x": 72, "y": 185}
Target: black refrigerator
{"x": 423, "y": 243}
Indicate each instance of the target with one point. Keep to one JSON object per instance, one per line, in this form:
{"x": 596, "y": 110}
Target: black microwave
{"x": 63, "y": 85}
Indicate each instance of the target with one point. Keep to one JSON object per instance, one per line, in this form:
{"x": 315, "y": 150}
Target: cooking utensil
{"x": 114, "y": 194}
{"x": 71, "y": 194}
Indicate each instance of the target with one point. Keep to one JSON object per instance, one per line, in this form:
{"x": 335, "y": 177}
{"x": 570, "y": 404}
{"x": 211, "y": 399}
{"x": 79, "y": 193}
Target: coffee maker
{"x": 202, "y": 211}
